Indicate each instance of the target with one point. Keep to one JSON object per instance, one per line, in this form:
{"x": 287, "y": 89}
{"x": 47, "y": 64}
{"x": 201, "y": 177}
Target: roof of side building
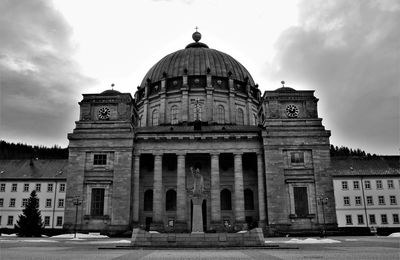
{"x": 33, "y": 169}
{"x": 365, "y": 166}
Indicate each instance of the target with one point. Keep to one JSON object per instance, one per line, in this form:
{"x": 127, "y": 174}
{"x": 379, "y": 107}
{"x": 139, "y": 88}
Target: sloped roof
{"x": 33, "y": 169}
{"x": 356, "y": 166}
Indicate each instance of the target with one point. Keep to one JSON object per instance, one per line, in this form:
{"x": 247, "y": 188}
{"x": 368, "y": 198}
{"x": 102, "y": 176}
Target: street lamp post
{"x": 76, "y": 202}
{"x": 322, "y": 200}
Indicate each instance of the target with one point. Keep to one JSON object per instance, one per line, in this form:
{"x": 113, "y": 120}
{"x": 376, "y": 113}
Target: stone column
{"x": 215, "y": 190}
{"x": 157, "y": 189}
{"x": 136, "y": 172}
{"x": 261, "y": 195}
{"x": 239, "y": 194}
{"x": 181, "y": 191}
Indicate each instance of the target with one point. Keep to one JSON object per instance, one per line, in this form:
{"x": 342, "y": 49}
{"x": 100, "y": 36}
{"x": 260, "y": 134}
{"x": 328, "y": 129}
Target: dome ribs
{"x": 197, "y": 61}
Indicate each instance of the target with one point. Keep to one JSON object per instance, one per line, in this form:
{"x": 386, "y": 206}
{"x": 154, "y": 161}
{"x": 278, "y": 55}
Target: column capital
{"x": 238, "y": 153}
{"x": 158, "y": 154}
{"x": 215, "y": 154}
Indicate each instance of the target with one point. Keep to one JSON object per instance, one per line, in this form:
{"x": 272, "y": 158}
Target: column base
{"x": 157, "y": 226}
{"x": 217, "y": 227}
{"x": 181, "y": 227}
{"x": 240, "y": 225}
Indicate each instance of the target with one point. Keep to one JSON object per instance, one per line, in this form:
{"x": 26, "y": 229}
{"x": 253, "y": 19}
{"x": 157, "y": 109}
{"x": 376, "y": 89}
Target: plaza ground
{"x": 361, "y": 247}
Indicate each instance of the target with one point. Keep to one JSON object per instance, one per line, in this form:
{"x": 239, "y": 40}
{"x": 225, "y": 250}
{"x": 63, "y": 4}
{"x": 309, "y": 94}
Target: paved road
{"x": 348, "y": 248}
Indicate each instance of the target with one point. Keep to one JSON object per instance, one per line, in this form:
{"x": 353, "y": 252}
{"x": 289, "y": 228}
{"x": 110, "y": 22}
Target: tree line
{"x": 344, "y": 151}
{"x": 10, "y": 151}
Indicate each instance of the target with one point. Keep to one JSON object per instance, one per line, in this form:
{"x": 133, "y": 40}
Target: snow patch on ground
{"x": 111, "y": 242}
{"x": 80, "y": 236}
{"x": 397, "y": 234}
{"x": 351, "y": 239}
{"x": 8, "y": 235}
{"x": 38, "y": 240}
{"x": 312, "y": 241}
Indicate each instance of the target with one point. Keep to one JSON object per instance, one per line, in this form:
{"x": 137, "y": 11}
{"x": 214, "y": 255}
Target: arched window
{"x": 154, "y": 117}
{"x": 248, "y": 199}
{"x": 226, "y": 200}
{"x": 255, "y": 119}
{"x": 148, "y": 200}
{"x": 240, "y": 116}
{"x": 174, "y": 115}
{"x": 170, "y": 200}
{"x": 221, "y": 114}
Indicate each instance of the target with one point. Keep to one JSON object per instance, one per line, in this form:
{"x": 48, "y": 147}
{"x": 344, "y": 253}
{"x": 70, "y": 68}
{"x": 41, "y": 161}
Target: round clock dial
{"x": 104, "y": 113}
{"x": 292, "y": 111}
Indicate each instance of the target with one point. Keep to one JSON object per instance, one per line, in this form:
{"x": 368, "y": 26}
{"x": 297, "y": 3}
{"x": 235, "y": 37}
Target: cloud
{"x": 39, "y": 80}
{"x": 349, "y": 52}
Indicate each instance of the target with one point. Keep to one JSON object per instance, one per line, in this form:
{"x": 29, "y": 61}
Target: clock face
{"x": 292, "y": 111}
{"x": 104, "y": 113}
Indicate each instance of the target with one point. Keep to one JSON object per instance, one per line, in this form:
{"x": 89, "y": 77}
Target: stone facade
{"x": 263, "y": 159}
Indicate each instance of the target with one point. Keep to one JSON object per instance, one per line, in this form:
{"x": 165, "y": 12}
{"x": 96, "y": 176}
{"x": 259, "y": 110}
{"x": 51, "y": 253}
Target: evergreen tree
{"x": 30, "y": 222}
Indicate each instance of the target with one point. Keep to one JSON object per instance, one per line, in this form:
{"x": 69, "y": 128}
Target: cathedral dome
{"x": 197, "y": 59}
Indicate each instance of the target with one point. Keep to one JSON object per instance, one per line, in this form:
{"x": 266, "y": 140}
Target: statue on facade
{"x": 198, "y": 182}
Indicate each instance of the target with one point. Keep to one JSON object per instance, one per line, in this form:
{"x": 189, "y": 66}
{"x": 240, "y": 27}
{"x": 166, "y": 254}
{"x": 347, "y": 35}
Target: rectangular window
{"x": 10, "y": 221}
{"x": 393, "y": 200}
{"x": 59, "y": 221}
{"x": 100, "y": 159}
{"x": 360, "y": 219}
{"x": 372, "y": 219}
{"x": 346, "y": 201}
{"x": 61, "y": 203}
{"x": 390, "y": 184}
{"x": 38, "y": 187}
{"x": 97, "y": 203}
{"x": 384, "y": 219}
{"x": 367, "y": 184}
{"x": 349, "y": 221}
{"x": 26, "y": 187}
{"x": 381, "y": 200}
{"x": 24, "y": 202}
{"x": 50, "y": 187}
{"x": 300, "y": 201}
{"x": 47, "y": 221}
{"x": 396, "y": 219}
{"x": 297, "y": 157}
{"x": 2, "y": 187}
{"x": 14, "y": 187}
{"x": 1, "y": 202}
{"x": 358, "y": 200}
{"x": 345, "y": 186}
{"x": 379, "y": 185}
{"x": 62, "y": 187}
{"x": 48, "y": 203}
{"x": 370, "y": 201}
{"x": 356, "y": 185}
{"x": 12, "y": 203}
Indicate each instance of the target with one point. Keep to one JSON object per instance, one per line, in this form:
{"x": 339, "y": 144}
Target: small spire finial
{"x": 112, "y": 86}
{"x": 283, "y": 83}
{"x": 196, "y": 28}
{"x": 196, "y": 36}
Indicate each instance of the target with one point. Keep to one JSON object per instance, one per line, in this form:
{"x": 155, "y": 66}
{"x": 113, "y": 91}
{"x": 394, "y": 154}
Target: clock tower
{"x": 100, "y": 159}
{"x": 296, "y": 150}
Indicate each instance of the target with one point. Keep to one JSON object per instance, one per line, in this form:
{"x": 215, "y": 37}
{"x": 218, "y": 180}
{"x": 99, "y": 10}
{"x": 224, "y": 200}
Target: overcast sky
{"x": 51, "y": 52}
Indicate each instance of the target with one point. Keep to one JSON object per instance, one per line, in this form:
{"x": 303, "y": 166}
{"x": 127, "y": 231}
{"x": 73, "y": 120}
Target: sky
{"x": 51, "y": 52}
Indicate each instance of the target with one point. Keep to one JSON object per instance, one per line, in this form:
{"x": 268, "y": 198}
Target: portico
{"x": 232, "y": 171}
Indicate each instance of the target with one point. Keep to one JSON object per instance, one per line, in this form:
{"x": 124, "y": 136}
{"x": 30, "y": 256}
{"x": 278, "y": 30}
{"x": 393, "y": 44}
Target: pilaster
{"x": 181, "y": 189}
{"x": 136, "y": 175}
{"x": 261, "y": 192}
